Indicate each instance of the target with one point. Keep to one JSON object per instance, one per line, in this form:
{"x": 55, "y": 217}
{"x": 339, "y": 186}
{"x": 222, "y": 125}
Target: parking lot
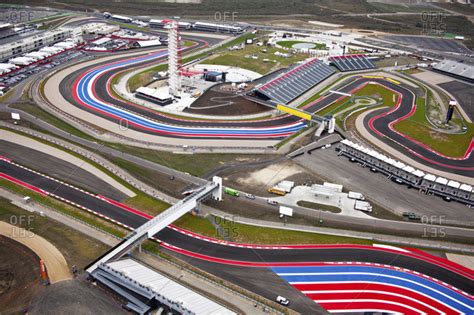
{"x": 12, "y": 79}
{"x": 377, "y": 188}
{"x": 439, "y": 44}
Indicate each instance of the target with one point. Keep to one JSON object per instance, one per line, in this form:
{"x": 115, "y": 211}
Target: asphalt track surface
{"x": 464, "y": 93}
{"x": 381, "y": 124}
{"x": 59, "y": 169}
{"x": 230, "y": 260}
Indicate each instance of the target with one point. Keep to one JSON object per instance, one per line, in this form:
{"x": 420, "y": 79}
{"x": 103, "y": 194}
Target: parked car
{"x": 397, "y": 180}
{"x": 250, "y": 196}
{"x": 414, "y": 217}
{"x": 272, "y": 202}
{"x": 407, "y": 214}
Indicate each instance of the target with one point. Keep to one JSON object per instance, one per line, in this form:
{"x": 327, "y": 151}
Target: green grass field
{"x": 242, "y": 59}
{"x": 453, "y": 145}
{"x": 147, "y": 203}
{"x": 318, "y": 206}
{"x": 194, "y": 164}
{"x": 245, "y": 233}
{"x": 290, "y": 43}
{"x": 370, "y": 90}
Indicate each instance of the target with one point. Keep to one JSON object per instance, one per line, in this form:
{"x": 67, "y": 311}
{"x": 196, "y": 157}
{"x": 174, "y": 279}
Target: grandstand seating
{"x": 295, "y": 81}
{"x": 352, "y": 62}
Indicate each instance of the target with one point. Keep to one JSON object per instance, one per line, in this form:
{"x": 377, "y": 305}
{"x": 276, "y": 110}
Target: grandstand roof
{"x": 164, "y": 286}
{"x": 457, "y": 68}
{"x": 352, "y": 62}
{"x": 295, "y": 81}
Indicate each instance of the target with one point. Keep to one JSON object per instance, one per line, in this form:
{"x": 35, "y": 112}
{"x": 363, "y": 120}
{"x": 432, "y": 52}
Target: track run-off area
{"x": 84, "y": 90}
{"x": 340, "y": 277}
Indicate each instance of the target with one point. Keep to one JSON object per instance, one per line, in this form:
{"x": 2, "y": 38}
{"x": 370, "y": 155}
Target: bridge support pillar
{"x": 217, "y": 193}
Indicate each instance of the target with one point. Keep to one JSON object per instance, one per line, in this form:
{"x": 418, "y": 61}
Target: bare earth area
{"x": 75, "y": 297}
{"x": 217, "y": 103}
{"x": 55, "y": 262}
{"x": 19, "y": 276}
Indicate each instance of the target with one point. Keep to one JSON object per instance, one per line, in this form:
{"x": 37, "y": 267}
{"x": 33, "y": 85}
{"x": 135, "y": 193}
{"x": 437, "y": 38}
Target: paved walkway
{"x": 339, "y": 200}
{"x": 359, "y": 124}
{"x": 55, "y": 262}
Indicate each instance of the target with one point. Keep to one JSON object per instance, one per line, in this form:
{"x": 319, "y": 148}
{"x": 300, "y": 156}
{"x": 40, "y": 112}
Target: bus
{"x": 277, "y": 191}
{"x": 231, "y": 192}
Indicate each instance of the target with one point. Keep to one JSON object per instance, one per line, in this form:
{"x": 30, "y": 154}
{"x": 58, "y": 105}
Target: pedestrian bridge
{"x": 159, "y": 222}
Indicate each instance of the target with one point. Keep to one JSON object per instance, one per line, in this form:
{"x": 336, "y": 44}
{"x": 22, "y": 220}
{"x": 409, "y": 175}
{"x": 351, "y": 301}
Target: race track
{"x": 422, "y": 281}
{"x": 89, "y": 89}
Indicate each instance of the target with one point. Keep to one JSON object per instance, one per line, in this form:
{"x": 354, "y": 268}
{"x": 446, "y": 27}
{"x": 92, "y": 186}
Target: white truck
{"x": 355, "y": 195}
{"x": 363, "y": 206}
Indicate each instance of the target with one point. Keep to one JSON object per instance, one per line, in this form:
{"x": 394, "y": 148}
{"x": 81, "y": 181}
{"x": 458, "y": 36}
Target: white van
{"x": 282, "y": 300}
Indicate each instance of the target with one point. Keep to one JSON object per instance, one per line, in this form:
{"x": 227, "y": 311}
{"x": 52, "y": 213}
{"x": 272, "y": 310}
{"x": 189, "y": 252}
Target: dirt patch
{"x": 19, "y": 276}
{"x": 214, "y": 102}
{"x": 55, "y": 262}
{"x": 257, "y": 179}
{"x": 76, "y": 297}
{"x": 270, "y": 175}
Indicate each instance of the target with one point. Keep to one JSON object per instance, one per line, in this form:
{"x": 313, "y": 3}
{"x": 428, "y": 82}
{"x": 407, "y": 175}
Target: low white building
{"x": 147, "y": 43}
{"x": 34, "y": 42}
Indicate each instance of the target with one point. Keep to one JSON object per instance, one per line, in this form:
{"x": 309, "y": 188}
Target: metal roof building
{"x": 155, "y": 286}
{"x": 458, "y": 69}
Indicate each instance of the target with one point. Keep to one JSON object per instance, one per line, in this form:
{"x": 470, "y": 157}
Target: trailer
{"x": 355, "y": 195}
{"x": 285, "y": 185}
{"x": 231, "y": 192}
{"x": 121, "y": 18}
{"x": 285, "y": 211}
{"x": 363, "y": 206}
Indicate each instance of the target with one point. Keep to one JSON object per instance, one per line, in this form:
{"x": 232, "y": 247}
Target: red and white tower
{"x": 173, "y": 58}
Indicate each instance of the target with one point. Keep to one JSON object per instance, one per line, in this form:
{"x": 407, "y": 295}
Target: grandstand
{"x": 351, "y": 62}
{"x": 460, "y": 70}
{"x": 295, "y": 81}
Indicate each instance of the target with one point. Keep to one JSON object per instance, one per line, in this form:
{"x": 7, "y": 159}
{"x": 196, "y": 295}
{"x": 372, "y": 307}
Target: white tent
{"x": 22, "y": 61}
{"x": 37, "y": 55}
{"x": 7, "y": 67}
{"x": 149, "y": 43}
{"x": 51, "y": 50}
{"x": 64, "y": 45}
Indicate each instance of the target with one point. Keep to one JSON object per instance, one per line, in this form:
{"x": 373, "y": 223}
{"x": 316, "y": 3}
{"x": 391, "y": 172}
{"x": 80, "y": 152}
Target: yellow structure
{"x": 293, "y": 111}
{"x": 373, "y": 76}
{"x": 393, "y": 81}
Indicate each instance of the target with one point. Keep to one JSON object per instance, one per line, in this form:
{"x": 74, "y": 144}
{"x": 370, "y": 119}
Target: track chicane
{"x": 364, "y": 287}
